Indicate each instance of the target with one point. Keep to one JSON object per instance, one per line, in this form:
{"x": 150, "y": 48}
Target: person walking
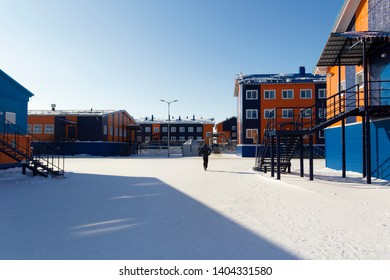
{"x": 205, "y": 151}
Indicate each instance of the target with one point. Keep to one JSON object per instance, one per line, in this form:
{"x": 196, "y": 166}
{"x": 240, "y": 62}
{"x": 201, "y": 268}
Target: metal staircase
{"x": 310, "y": 120}
{"x": 17, "y": 144}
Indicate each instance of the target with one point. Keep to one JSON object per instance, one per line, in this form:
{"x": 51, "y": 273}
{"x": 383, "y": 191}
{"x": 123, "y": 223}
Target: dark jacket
{"x": 204, "y": 151}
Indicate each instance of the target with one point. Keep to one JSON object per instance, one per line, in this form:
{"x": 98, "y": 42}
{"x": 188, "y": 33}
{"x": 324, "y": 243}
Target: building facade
{"x": 95, "y": 132}
{"x": 228, "y": 128}
{"x": 155, "y": 130}
{"x": 361, "y": 73}
{"x": 278, "y": 96}
{"x": 13, "y": 108}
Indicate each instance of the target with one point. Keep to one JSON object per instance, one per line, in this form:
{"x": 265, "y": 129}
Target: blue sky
{"x": 118, "y": 54}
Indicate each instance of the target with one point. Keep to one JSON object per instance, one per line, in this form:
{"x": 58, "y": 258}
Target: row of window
{"x": 252, "y": 133}
{"x": 286, "y": 113}
{"x": 148, "y": 129}
{"x": 49, "y": 129}
{"x": 173, "y": 138}
{"x": 286, "y": 94}
{"x": 38, "y": 129}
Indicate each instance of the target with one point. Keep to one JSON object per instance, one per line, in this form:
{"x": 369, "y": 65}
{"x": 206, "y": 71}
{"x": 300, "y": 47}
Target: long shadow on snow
{"x": 115, "y": 217}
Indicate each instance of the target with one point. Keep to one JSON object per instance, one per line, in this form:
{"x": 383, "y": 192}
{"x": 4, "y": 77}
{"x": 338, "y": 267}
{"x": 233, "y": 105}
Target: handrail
{"x": 11, "y": 135}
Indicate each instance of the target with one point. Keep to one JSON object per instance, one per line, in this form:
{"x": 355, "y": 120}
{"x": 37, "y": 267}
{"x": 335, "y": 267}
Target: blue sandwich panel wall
{"x": 380, "y": 148}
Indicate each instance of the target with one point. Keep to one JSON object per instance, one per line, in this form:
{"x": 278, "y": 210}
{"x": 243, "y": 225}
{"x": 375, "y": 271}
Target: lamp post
{"x": 169, "y": 118}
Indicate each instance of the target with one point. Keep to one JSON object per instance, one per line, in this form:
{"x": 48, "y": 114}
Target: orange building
{"x": 278, "y": 99}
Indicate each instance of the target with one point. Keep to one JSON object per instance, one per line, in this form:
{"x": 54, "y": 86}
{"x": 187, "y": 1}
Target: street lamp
{"x": 169, "y": 118}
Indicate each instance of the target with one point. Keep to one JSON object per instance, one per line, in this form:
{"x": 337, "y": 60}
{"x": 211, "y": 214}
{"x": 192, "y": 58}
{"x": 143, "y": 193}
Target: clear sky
{"x": 129, "y": 54}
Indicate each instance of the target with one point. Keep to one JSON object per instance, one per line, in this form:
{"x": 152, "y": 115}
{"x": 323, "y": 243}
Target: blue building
{"x": 13, "y": 101}
{"x": 13, "y": 109}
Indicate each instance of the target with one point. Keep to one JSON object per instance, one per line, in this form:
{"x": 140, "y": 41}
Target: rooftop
{"x": 301, "y": 77}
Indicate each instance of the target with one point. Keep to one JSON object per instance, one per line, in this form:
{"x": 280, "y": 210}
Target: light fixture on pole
{"x": 169, "y": 118}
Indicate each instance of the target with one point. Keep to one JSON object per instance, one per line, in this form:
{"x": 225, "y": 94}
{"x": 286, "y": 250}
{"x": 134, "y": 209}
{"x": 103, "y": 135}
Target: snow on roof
{"x": 183, "y": 121}
{"x": 280, "y": 78}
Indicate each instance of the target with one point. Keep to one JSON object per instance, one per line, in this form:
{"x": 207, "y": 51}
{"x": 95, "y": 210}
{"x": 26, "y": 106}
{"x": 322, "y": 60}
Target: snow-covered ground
{"x": 153, "y": 207}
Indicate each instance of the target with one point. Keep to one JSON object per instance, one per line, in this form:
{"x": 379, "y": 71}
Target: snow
{"x": 153, "y": 207}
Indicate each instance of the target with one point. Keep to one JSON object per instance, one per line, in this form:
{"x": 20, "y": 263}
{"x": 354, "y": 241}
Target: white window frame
{"x": 322, "y": 93}
{"x": 266, "y": 113}
{"x": 251, "y": 114}
{"x": 173, "y": 129}
{"x": 182, "y": 129}
{"x": 37, "y": 129}
{"x": 139, "y": 138}
{"x": 164, "y": 138}
{"x": 359, "y": 79}
{"x": 49, "y": 128}
{"x": 234, "y": 128}
{"x": 305, "y": 92}
{"x": 190, "y": 129}
{"x": 164, "y": 129}
{"x": 10, "y": 117}
{"x": 182, "y": 138}
{"x": 287, "y": 115}
{"x": 249, "y": 133}
{"x": 306, "y": 115}
{"x": 156, "y": 129}
{"x": 147, "y": 138}
{"x": 287, "y": 91}
{"x": 321, "y": 113}
{"x": 321, "y": 134}
{"x": 29, "y": 128}
{"x": 148, "y": 129}
{"x": 199, "y": 138}
{"x": 271, "y": 94}
{"x": 199, "y": 129}
{"x": 251, "y": 94}
{"x": 173, "y": 138}
{"x": 105, "y": 129}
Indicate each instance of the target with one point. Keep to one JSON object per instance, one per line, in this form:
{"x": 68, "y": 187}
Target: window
{"x": 306, "y": 113}
{"x": 164, "y": 129}
{"x": 269, "y": 113}
{"x": 199, "y": 129}
{"x": 10, "y": 117}
{"x": 343, "y": 85}
{"x": 182, "y": 129}
{"x": 139, "y": 138}
{"x": 165, "y": 138}
{"x": 148, "y": 129}
{"x": 37, "y": 129}
{"x": 190, "y": 137}
{"x": 208, "y": 134}
{"x": 322, "y": 93}
{"x": 116, "y": 131}
{"x": 287, "y": 94}
{"x": 251, "y": 114}
{"x": 251, "y": 94}
{"x": 321, "y": 113}
{"x": 147, "y": 138}
{"x": 234, "y": 128}
{"x": 29, "y": 128}
{"x": 199, "y": 138}
{"x": 124, "y": 133}
{"x": 111, "y": 130}
{"x": 49, "y": 128}
{"x": 120, "y": 132}
{"x": 182, "y": 138}
{"x": 269, "y": 94}
{"x": 234, "y": 135}
{"x": 359, "y": 78}
{"x": 305, "y": 93}
{"x": 173, "y": 129}
{"x": 173, "y": 138}
{"x": 251, "y": 133}
{"x": 105, "y": 129}
{"x": 156, "y": 129}
{"x": 190, "y": 129}
{"x": 321, "y": 133}
{"x": 287, "y": 113}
